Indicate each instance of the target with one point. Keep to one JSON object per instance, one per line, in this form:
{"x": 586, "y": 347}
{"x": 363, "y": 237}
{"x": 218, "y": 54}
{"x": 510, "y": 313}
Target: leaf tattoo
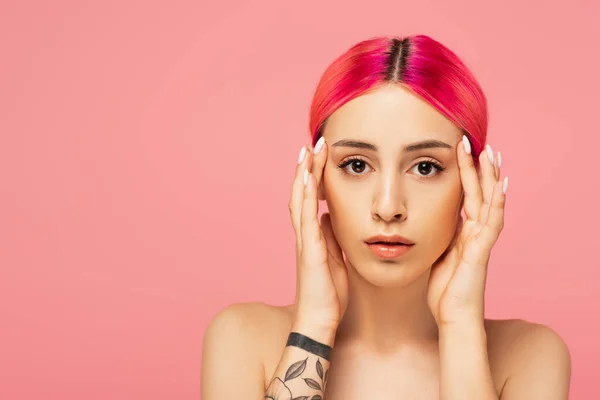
{"x": 278, "y": 390}
{"x": 319, "y": 369}
{"x": 312, "y": 383}
{"x": 295, "y": 370}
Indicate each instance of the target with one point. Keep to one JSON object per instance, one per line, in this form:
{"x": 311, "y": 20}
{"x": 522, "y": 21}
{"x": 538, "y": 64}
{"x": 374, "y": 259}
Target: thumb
{"x": 457, "y": 233}
{"x": 453, "y": 242}
{"x": 333, "y": 248}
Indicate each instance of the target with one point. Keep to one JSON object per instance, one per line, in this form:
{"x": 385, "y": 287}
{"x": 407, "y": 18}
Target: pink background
{"x": 146, "y": 156}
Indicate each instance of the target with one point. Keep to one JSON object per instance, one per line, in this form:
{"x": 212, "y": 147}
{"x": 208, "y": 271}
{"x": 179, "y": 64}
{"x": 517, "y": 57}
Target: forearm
{"x": 464, "y": 366}
{"x": 303, "y": 372}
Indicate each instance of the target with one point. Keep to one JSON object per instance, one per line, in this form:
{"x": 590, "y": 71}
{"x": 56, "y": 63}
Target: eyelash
{"x": 439, "y": 168}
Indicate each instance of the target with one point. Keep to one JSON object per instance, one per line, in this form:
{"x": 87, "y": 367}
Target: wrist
{"x": 467, "y": 328}
{"x": 461, "y": 318}
{"x": 322, "y": 333}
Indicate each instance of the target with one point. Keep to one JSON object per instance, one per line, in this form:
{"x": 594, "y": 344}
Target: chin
{"x": 388, "y": 273}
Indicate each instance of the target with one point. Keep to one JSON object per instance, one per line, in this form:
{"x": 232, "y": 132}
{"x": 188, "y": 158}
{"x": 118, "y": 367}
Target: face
{"x": 378, "y": 180}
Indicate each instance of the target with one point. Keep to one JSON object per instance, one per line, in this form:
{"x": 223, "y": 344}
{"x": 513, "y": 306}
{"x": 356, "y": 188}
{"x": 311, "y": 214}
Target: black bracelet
{"x": 304, "y": 342}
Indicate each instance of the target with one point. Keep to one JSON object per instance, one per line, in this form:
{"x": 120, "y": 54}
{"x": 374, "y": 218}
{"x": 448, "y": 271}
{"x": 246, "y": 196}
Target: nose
{"x": 388, "y": 202}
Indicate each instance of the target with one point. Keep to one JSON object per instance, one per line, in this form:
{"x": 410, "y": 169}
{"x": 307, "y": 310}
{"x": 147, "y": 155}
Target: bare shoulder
{"x": 250, "y": 323}
{"x": 518, "y": 339}
{"x": 250, "y": 313}
{"x": 249, "y": 334}
{"x": 526, "y": 356}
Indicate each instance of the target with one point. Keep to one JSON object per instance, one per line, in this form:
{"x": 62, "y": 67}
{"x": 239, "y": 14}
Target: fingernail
{"x": 319, "y": 145}
{"x": 499, "y": 160}
{"x": 490, "y": 153}
{"x": 305, "y": 177}
{"x": 467, "y": 144}
{"x": 302, "y": 154}
{"x": 505, "y": 185}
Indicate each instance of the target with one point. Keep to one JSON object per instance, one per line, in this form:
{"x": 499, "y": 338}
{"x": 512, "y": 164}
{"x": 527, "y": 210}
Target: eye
{"x": 428, "y": 168}
{"x": 354, "y": 166}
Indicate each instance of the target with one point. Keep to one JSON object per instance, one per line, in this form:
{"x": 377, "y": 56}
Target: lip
{"x": 389, "y": 239}
{"x": 389, "y": 246}
{"x": 389, "y": 251}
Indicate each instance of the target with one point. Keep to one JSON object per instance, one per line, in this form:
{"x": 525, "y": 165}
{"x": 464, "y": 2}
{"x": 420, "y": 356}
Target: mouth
{"x": 389, "y": 240}
{"x": 389, "y": 250}
{"x": 390, "y": 243}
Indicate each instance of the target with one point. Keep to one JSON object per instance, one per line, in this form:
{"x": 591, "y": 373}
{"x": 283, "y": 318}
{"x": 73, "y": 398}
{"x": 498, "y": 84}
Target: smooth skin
{"x": 407, "y": 328}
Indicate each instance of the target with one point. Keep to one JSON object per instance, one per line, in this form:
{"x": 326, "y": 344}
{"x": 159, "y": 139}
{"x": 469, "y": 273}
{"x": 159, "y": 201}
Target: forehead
{"x": 390, "y": 116}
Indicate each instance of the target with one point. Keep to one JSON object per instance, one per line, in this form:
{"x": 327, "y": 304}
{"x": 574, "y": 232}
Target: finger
{"x": 498, "y": 164}
{"x": 488, "y": 181}
{"x": 495, "y": 222}
{"x": 455, "y": 239}
{"x": 319, "y": 159}
{"x": 457, "y": 232}
{"x": 297, "y": 195}
{"x": 469, "y": 179}
{"x": 333, "y": 247}
{"x": 310, "y": 229}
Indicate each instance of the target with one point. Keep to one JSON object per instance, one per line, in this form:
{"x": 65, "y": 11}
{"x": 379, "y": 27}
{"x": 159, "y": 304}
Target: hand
{"x": 457, "y": 282}
{"x": 322, "y": 279}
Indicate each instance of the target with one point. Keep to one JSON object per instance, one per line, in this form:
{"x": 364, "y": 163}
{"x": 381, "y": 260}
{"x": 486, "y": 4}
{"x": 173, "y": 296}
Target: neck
{"x": 386, "y": 318}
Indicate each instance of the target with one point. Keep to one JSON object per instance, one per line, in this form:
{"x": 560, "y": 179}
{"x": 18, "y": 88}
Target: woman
{"x": 390, "y": 283}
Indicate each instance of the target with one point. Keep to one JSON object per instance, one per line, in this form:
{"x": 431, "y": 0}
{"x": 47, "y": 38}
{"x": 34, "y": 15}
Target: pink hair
{"x": 422, "y": 64}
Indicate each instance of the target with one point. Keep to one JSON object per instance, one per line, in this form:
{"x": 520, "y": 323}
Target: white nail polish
{"x": 305, "y": 177}
{"x": 490, "y": 153}
{"x": 319, "y": 145}
{"x": 302, "y": 154}
{"x": 499, "y": 160}
{"x": 505, "y": 185}
{"x": 467, "y": 144}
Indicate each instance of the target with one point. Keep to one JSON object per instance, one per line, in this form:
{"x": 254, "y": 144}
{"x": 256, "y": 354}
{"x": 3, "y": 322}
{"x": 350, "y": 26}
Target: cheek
{"x": 345, "y": 195}
{"x": 335, "y": 197}
{"x": 433, "y": 202}
{"x": 439, "y": 216}
{"x": 346, "y": 206}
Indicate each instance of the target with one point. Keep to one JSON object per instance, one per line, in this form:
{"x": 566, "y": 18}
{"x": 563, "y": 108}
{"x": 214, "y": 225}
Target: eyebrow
{"x": 425, "y": 144}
